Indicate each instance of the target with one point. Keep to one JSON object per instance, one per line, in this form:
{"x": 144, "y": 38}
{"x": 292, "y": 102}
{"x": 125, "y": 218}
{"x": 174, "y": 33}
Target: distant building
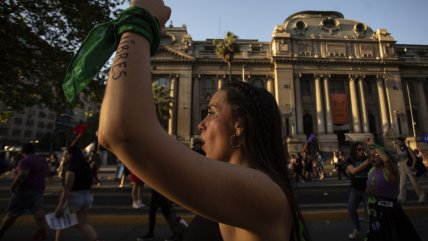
{"x": 331, "y": 76}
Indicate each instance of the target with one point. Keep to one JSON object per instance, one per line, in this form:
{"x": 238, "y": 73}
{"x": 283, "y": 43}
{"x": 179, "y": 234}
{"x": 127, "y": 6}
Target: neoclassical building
{"x": 331, "y": 76}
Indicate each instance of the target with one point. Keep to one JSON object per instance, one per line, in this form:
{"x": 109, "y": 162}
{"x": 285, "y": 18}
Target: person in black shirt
{"x": 357, "y": 166}
{"x": 76, "y": 195}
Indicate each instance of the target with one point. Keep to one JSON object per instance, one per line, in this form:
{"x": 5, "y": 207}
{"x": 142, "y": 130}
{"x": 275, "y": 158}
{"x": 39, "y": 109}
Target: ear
{"x": 239, "y": 127}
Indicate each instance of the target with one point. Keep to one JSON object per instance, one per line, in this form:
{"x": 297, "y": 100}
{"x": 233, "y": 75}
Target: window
{"x": 18, "y": 121}
{"x": 29, "y": 123}
{"x": 16, "y": 132}
{"x": 42, "y": 114}
{"x": 208, "y": 87}
{"x": 40, "y": 124}
{"x": 28, "y": 134}
{"x": 305, "y": 85}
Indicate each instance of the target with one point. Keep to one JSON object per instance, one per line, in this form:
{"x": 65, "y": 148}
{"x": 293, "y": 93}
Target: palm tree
{"x": 163, "y": 103}
{"x": 226, "y": 50}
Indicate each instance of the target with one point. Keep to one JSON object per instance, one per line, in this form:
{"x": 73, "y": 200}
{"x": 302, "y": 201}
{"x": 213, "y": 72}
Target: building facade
{"x": 331, "y": 76}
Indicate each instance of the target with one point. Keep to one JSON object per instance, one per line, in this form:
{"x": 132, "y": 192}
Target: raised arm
{"x": 130, "y": 129}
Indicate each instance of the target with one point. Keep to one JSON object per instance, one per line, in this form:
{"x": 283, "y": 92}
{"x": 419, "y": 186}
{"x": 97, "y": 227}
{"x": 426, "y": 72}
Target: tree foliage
{"x": 226, "y": 49}
{"x": 163, "y": 102}
{"x": 38, "y": 40}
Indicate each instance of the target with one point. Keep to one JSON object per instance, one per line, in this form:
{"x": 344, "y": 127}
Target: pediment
{"x": 167, "y": 53}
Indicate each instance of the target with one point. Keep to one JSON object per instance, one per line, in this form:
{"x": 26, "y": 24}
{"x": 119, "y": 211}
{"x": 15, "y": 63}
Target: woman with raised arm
{"x": 387, "y": 220}
{"x": 243, "y": 181}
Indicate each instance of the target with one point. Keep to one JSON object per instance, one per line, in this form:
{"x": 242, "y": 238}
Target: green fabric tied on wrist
{"x": 100, "y": 44}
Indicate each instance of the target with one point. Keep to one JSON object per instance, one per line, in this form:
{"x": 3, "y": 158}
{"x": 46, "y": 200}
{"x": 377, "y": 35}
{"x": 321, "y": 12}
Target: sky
{"x": 406, "y": 20}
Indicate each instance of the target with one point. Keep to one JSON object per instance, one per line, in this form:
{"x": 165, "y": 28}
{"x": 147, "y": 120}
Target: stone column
{"x": 422, "y": 106}
{"x": 269, "y": 85}
{"x": 299, "y": 112}
{"x": 354, "y": 105}
{"x": 328, "y": 112}
{"x": 320, "y": 111}
{"x": 382, "y": 105}
{"x": 219, "y": 83}
{"x": 363, "y": 105}
{"x": 172, "y": 94}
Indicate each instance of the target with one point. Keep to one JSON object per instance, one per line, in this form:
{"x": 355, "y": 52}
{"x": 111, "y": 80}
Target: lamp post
{"x": 411, "y": 109}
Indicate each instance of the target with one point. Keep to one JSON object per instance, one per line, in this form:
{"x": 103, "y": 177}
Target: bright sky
{"x": 406, "y": 20}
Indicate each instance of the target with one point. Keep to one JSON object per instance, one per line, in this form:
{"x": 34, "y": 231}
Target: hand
{"x": 155, "y": 7}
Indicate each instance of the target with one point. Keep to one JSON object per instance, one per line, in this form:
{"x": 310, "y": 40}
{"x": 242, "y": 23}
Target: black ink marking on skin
{"x": 119, "y": 64}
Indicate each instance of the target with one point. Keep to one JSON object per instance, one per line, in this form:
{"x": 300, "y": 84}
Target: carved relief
{"x": 305, "y": 48}
{"x": 336, "y": 50}
{"x": 366, "y": 51}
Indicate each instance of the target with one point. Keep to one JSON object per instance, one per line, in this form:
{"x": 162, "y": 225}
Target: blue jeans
{"x": 355, "y": 198}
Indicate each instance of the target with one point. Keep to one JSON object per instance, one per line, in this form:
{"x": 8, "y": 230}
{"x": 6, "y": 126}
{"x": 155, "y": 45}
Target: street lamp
{"x": 411, "y": 109}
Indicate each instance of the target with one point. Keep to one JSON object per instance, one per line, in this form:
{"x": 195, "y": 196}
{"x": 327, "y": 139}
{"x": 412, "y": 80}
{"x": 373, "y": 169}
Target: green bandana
{"x": 100, "y": 44}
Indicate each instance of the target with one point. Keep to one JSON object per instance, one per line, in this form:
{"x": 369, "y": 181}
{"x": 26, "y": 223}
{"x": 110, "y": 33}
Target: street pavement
{"x": 323, "y": 204}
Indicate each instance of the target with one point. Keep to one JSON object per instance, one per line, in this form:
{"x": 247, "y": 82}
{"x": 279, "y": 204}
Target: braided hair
{"x": 262, "y": 141}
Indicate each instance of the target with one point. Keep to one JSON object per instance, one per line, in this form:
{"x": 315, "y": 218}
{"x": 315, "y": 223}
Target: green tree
{"x": 226, "y": 49}
{"x": 163, "y": 102}
{"x": 37, "y": 42}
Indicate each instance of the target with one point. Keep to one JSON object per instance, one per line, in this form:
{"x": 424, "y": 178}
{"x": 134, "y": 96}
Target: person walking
{"x": 406, "y": 165}
{"x": 387, "y": 219}
{"x": 357, "y": 166}
{"x": 136, "y": 191}
{"x": 177, "y": 228}
{"x": 76, "y": 194}
{"x": 27, "y": 189}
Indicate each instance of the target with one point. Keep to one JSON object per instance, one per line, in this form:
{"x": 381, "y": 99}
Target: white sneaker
{"x": 354, "y": 235}
{"x": 422, "y": 198}
{"x": 137, "y": 205}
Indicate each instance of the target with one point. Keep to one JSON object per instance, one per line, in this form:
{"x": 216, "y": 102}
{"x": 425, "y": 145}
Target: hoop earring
{"x": 231, "y": 142}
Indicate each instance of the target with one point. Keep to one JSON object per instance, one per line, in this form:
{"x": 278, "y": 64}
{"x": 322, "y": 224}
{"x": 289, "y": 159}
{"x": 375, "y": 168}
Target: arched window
{"x": 208, "y": 87}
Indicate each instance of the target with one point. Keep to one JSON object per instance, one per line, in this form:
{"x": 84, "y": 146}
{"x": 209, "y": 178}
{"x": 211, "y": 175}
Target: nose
{"x": 202, "y": 126}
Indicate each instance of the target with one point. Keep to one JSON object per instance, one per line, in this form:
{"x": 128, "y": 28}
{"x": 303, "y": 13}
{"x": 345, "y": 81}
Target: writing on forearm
{"x": 119, "y": 64}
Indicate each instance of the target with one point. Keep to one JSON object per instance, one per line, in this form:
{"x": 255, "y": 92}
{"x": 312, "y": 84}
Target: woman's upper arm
{"x": 224, "y": 192}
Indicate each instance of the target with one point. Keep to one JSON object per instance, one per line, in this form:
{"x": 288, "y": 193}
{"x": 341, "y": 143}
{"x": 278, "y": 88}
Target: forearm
{"x": 128, "y": 109}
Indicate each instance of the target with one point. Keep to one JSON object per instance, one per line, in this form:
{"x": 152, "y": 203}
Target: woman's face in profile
{"x": 217, "y": 127}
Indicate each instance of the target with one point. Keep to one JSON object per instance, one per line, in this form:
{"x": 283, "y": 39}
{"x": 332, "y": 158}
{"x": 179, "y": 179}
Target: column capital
{"x": 380, "y": 76}
{"x": 325, "y": 76}
{"x": 297, "y": 75}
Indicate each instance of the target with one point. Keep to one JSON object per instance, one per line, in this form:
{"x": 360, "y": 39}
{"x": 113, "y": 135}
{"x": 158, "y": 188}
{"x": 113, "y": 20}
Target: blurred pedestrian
{"x": 197, "y": 146}
{"x": 406, "y": 165}
{"x": 387, "y": 220}
{"x": 76, "y": 192}
{"x": 136, "y": 191}
{"x": 309, "y": 167}
{"x": 340, "y": 164}
{"x": 27, "y": 189}
{"x": 94, "y": 161}
{"x": 357, "y": 166}
{"x": 159, "y": 201}
{"x": 53, "y": 163}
